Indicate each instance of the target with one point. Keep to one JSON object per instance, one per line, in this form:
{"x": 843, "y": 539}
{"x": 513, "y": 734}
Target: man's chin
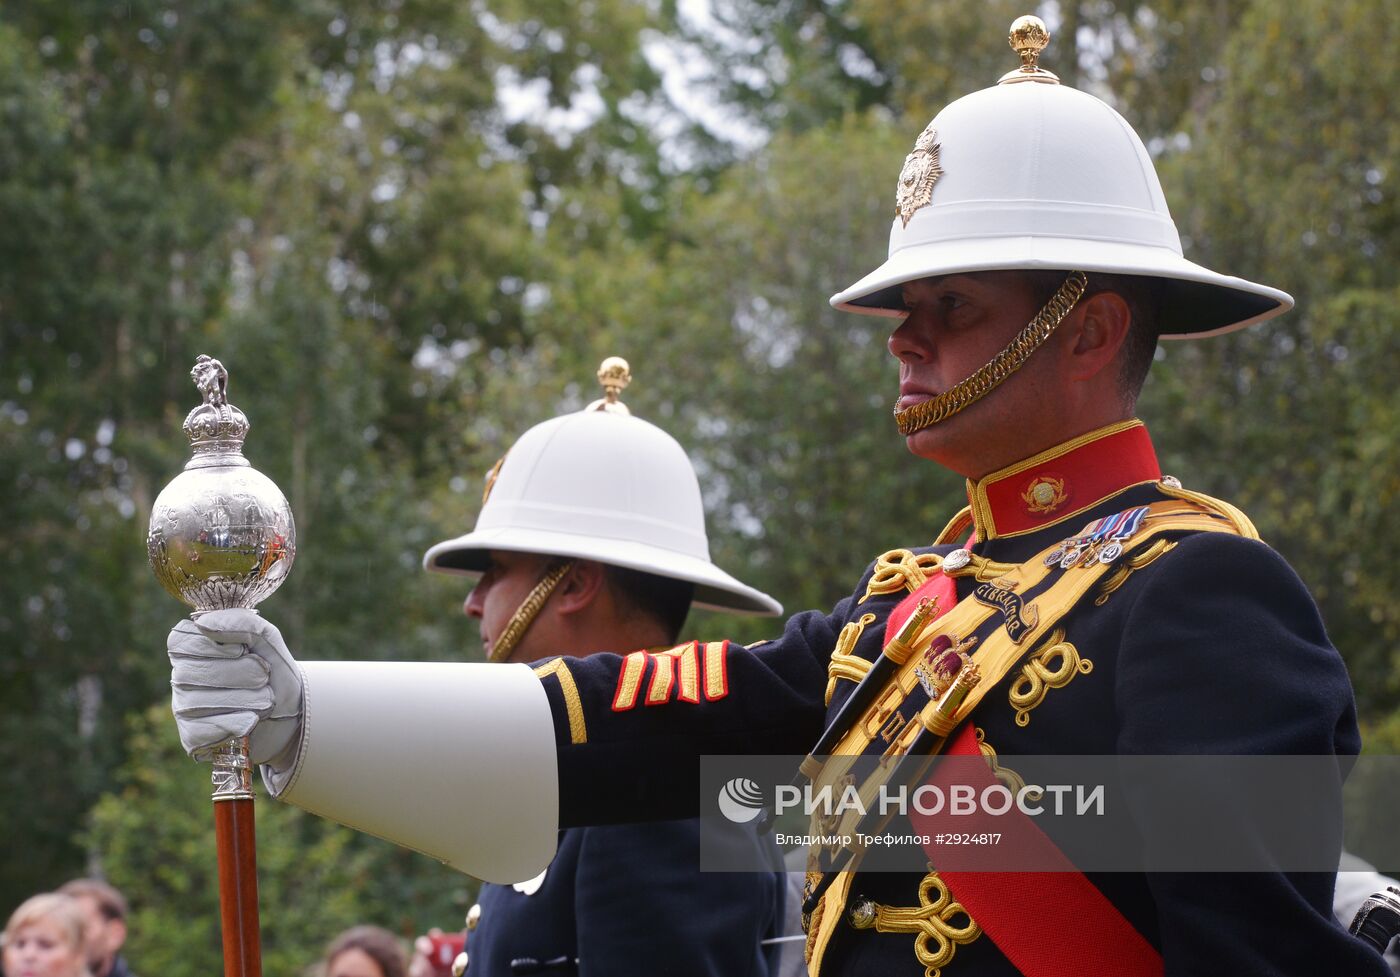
{"x": 939, "y": 444}
{"x": 927, "y": 442}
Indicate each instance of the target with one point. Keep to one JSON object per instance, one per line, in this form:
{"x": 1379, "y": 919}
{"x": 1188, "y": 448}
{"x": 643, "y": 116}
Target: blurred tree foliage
{"x": 315, "y": 877}
{"x": 331, "y": 198}
{"x": 411, "y": 228}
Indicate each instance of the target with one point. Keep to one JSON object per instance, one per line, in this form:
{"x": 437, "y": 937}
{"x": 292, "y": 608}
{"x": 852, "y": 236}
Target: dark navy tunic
{"x": 1215, "y": 647}
{"x": 628, "y": 899}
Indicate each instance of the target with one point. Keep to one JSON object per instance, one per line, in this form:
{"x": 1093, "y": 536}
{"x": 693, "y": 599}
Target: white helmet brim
{"x": 469, "y": 556}
{"x": 1198, "y": 302}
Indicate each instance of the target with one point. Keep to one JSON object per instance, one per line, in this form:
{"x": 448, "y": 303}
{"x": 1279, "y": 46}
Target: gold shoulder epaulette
{"x": 1241, "y": 522}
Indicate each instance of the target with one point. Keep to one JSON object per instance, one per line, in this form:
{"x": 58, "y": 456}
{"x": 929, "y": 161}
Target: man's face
{"x": 500, "y": 591}
{"x": 955, "y": 324}
{"x": 103, "y": 937}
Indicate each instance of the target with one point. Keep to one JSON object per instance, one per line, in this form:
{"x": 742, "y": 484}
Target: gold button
{"x": 862, "y": 914}
{"x": 473, "y": 917}
{"x": 459, "y": 966}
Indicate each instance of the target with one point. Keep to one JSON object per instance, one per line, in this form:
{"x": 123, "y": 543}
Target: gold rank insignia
{"x": 1044, "y": 495}
{"x": 685, "y": 673}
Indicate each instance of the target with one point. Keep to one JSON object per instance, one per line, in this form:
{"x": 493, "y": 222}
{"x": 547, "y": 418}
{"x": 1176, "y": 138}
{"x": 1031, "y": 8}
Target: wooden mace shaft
{"x": 238, "y": 863}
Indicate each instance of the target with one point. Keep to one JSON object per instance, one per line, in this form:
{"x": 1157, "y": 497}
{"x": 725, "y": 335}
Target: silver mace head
{"x": 221, "y": 532}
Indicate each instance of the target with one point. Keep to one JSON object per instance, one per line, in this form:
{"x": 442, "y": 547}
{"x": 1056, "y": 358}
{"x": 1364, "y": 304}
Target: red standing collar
{"x": 1062, "y": 481}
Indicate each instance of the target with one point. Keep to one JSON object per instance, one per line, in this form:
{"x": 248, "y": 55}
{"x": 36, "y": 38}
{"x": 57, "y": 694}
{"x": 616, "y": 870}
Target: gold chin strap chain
{"x": 525, "y": 614}
{"x": 989, "y": 376}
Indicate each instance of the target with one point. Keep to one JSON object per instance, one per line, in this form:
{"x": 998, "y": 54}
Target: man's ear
{"x": 116, "y": 933}
{"x": 1101, "y": 326}
{"x": 580, "y": 587}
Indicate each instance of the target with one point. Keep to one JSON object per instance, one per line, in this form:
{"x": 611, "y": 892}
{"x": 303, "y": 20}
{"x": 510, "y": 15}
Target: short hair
{"x": 62, "y": 909}
{"x": 377, "y": 943}
{"x": 1143, "y": 296}
{"x": 110, "y": 902}
{"x": 664, "y": 599}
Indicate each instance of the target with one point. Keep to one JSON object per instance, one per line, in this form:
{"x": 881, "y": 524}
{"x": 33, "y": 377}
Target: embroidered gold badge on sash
{"x": 813, "y": 924}
{"x": 1019, "y": 617}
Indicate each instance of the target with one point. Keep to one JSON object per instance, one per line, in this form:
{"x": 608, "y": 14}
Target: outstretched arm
{"x": 477, "y": 764}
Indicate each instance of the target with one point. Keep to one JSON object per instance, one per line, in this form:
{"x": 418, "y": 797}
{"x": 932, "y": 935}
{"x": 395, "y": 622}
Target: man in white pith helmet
{"x": 592, "y": 536}
{"x": 593, "y": 502}
{"x": 1082, "y": 603}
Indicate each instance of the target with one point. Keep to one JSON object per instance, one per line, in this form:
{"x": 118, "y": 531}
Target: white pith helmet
{"x": 1034, "y": 175}
{"x": 600, "y": 485}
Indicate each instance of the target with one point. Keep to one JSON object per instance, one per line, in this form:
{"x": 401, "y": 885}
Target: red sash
{"x": 1048, "y": 924}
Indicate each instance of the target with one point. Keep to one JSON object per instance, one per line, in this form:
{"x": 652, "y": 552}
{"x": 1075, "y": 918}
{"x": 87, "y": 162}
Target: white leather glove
{"x": 232, "y": 675}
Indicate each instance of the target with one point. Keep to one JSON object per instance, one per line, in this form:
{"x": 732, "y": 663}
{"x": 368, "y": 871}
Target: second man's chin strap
{"x": 529, "y": 608}
{"x": 989, "y": 376}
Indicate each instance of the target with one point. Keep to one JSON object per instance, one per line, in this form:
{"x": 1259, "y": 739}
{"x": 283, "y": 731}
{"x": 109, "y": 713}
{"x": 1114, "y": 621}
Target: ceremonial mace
{"x": 222, "y": 536}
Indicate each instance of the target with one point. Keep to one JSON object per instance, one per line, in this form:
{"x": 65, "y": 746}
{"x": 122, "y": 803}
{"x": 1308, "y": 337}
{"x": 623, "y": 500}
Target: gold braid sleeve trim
{"x": 578, "y": 732}
{"x": 629, "y": 681}
{"x": 843, "y": 664}
{"x": 852, "y": 668}
{"x": 679, "y": 663}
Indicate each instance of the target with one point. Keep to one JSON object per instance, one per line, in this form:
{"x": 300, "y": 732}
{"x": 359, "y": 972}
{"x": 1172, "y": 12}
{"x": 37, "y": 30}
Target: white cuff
{"x": 453, "y": 760}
